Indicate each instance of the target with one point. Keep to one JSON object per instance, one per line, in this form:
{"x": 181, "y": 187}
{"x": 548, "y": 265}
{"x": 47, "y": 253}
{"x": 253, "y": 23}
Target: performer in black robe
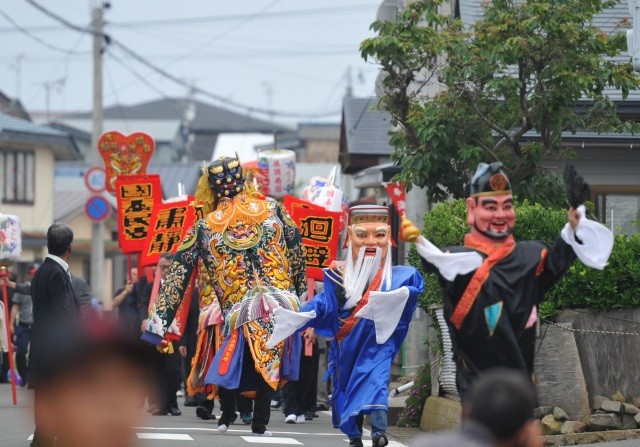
{"x": 493, "y": 285}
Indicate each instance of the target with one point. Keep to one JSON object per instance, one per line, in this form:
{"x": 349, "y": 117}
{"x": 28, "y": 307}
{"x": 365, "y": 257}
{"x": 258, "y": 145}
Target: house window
{"x": 619, "y": 208}
{"x": 17, "y": 176}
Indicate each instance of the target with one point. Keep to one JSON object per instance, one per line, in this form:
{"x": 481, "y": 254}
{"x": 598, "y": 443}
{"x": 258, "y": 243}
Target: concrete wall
{"x": 610, "y": 357}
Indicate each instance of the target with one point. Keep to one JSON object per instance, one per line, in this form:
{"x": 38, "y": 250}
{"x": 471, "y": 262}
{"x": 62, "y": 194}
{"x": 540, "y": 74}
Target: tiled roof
{"x": 208, "y": 118}
{"x": 25, "y": 132}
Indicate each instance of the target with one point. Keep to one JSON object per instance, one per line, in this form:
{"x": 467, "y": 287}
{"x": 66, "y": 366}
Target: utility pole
{"x": 633, "y": 35}
{"x": 349, "y": 92}
{"x": 97, "y": 230}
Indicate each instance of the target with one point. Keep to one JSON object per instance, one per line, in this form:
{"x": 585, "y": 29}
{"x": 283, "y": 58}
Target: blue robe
{"x": 360, "y": 367}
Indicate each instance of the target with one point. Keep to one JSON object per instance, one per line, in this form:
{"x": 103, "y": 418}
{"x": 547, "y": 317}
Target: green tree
{"x": 460, "y": 95}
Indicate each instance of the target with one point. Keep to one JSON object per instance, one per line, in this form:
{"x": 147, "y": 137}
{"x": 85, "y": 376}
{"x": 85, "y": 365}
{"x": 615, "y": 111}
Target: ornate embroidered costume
{"x": 249, "y": 250}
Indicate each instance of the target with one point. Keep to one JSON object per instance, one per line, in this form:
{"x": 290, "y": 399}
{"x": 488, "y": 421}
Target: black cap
{"x": 489, "y": 180}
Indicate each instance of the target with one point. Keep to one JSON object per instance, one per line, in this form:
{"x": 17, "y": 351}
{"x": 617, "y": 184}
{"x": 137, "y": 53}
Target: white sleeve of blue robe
{"x": 287, "y": 323}
{"x": 450, "y": 265}
{"x": 596, "y": 241}
{"x": 385, "y": 309}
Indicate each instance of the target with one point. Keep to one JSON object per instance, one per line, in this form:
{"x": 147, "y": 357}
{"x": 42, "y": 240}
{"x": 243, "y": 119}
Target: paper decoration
{"x": 323, "y": 192}
{"x": 167, "y": 228}
{"x": 10, "y": 238}
{"x": 137, "y": 195}
{"x": 124, "y": 155}
{"x": 277, "y": 172}
{"x": 319, "y": 230}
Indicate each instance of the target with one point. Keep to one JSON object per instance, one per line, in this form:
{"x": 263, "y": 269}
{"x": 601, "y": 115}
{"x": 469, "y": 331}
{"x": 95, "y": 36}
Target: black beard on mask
{"x": 494, "y": 235}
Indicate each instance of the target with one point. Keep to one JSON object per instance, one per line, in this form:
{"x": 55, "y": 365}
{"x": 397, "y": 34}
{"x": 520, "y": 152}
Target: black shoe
{"x": 308, "y": 416}
{"x": 190, "y": 402}
{"x": 159, "y": 412}
{"x": 204, "y": 414}
{"x": 379, "y": 440}
{"x": 175, "y": 411}
{"x": 247, "y": 418}
{"x": 355, "y": 442}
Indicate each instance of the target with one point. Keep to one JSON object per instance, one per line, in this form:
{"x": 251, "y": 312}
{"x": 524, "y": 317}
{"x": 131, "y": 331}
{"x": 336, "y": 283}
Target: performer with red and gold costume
{"x": 249, "y": 252}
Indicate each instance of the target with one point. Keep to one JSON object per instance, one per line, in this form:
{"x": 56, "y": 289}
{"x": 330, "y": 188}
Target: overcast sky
{"x": 241, "y": 50}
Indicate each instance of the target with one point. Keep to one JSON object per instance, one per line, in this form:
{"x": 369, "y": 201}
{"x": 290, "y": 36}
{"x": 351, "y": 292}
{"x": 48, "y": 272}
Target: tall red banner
{"x": 398, "y": 195}
{"x": 137, "y": 196}
{"x": 319, "y": 229}
{"x": 168, "y": 227}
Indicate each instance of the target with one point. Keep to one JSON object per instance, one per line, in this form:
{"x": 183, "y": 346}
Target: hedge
{"x": 617, "y": 286}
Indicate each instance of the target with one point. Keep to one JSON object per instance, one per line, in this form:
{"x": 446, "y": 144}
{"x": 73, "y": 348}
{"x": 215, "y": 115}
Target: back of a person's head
{"x": 501, "y": 400}
{"x": 59, "y": 239}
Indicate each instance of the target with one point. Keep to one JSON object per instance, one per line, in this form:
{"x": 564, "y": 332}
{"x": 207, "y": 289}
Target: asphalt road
{"x": 16, "y": 426}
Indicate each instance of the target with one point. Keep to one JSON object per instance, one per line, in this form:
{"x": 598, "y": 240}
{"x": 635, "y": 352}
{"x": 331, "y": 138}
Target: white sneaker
{"x": 291, "y": 419}
{"x": 300, "y": 419}
{"x": 179, "y": 393}
{"x": 266, "y": 433}
{"x": 222, "y": 428}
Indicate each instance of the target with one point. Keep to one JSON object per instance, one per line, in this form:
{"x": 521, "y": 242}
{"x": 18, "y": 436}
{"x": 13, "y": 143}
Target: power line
{"x": 142, "y": 60}
{"x": 37, "y": 39}
{"x": 311, "y": 12}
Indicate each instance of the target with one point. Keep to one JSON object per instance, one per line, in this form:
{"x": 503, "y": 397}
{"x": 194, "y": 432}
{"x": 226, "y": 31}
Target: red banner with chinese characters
{"x": 167, "y": 228}
{"x": 398, "y": 195}
{"x": 319, "y": 231}
{"x": 137, "y": 196}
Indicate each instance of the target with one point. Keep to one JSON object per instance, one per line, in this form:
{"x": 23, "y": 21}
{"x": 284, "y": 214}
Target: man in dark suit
{"x": 54, "y": 304}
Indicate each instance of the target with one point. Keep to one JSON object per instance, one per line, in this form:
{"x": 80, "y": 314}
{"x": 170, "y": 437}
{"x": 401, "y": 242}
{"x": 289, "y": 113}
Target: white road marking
{"x": 165, "y": 436}
{"x": 289, "y": 433}
{"x": 270, "y": 440}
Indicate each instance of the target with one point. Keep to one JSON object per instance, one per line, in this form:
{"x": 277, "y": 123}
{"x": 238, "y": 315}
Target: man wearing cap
{"x": 250, "y": 250}
{"x": 492, "y": 285}
{"x": 366, "y": 307}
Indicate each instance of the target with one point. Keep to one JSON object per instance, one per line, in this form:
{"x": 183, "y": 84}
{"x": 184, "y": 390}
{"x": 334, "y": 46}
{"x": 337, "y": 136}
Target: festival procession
{"x": 446, "y": 252}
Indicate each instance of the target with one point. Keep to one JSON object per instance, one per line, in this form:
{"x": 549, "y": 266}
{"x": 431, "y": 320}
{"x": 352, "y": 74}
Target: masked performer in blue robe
{"x": 366, "y": 307}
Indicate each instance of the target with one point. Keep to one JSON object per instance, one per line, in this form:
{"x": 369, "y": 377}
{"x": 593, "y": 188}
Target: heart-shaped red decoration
{"x": 125, "y": 155}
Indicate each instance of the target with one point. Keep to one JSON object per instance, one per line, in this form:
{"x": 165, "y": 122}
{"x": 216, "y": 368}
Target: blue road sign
{"x": 97, "y": 208}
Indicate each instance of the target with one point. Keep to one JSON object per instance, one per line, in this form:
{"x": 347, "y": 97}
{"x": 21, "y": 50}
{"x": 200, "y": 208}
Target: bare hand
{"x": 573, "y": 216}
{"x": 128, "y": 287}
{"x": 310, "y": 335}
{"x": 183, "y": 351}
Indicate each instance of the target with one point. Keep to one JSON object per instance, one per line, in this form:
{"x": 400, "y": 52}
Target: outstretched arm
{"x": 591, "y": 241}
{"x": 173, "y": 289}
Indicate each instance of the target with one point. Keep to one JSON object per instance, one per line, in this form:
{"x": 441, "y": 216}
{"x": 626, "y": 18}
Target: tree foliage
{"x": 460, "y": 95}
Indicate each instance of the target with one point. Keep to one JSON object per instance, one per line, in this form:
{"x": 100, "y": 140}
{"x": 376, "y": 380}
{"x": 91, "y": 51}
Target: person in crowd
{"x": 497, "y": 412}
{"x": 300, "y": 396}
{"x": 492, "y": 285}
{"x": 55, "y": 307}
{"x": 92, "y": 380}
{"x": 251, "y": 250}
{"x": 366, "y": 307}
{"x": 125, "y": 300}
{"x": 22, "y": 321}
{"x": 165, "y": 362}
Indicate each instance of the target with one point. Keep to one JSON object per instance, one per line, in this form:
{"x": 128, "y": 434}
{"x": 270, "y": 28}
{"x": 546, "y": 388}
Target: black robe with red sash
{"x": 499, "y": 327}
